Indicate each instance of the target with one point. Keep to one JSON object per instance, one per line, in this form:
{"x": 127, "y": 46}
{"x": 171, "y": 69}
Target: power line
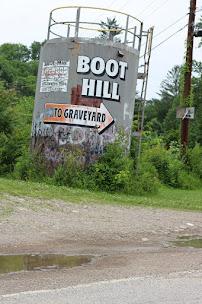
{"x": 181, "y": 29}
{"x": 165, "y": 40}
{"x": 113, "y": 2}
{"x": 169, "y": 26}
{"x": 102, "y": 14}
{"x": 156, "y": 9}
{"x": 148, "y": 6}
{"x": 124, "y": 4}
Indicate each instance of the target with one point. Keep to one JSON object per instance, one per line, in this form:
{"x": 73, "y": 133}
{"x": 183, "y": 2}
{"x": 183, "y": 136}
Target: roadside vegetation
{"x": 164, "y": 178}
{"x": 165, "y": 198}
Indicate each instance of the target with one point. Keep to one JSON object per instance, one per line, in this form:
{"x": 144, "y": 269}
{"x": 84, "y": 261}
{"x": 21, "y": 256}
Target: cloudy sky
{"x": 25, "y": 21}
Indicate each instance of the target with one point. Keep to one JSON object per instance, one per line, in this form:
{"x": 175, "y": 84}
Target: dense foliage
{"x": 18, "y": 72}
{"x": 116, "y": 170}
{"x": 160, "y": 118}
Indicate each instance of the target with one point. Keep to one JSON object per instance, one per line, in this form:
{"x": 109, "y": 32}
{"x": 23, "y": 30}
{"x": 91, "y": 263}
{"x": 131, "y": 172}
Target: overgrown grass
{"x": 165, "y": 198}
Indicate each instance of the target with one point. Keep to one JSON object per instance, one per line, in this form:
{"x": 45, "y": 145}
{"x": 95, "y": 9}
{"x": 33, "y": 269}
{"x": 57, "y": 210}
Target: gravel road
{"x": 124, "y": 241}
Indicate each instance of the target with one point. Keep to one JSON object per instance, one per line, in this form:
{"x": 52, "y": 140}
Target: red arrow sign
{"x": 92, "y": 117}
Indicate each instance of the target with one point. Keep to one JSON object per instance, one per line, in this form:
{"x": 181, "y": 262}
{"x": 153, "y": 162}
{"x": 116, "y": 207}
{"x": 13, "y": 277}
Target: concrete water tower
{"x": 86, "y": 84}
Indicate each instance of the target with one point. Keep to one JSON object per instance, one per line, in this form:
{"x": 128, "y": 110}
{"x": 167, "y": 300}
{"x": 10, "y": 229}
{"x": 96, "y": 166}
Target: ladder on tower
{"x": 143, "y": 74}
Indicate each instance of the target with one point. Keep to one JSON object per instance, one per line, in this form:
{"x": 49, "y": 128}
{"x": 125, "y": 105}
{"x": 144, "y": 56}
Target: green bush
{"x": 188, "y": 181}
{"x": 114, "y": 169}
{"x": 167, "y": 165}
{"x": 171, "y": 170}
{"x": 70, "y": 172}
{"x": 146, "y": 181}
{"x": 30, "y": 166}
{"x": 113, "y": 172}
{"x": 195, "y": 160}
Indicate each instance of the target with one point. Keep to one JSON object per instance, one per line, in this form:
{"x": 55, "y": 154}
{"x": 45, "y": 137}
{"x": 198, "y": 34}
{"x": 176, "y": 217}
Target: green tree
{"x": 170, "y": 87}
{"x": 160, "y": 114}
{"x": 7, "y": 72}
{"x": 16, "y": 51}
{"x": 35, "y": 50}
{"x": 199, "y": 25}
{"x": 196, "y": 124}
{"x": 8, "y": 100}
{"x": 110, "y": 29}
{"x": 19, "y": 66}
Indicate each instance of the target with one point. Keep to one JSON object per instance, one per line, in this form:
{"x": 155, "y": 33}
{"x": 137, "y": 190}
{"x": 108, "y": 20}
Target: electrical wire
{"x": 126, "y": 3}
{"x": 169, "y": 26}
{"x": 112, "y": 2}
{"x": 165, "y": 40}
{"x": 156, "y": 9}
{"x": 172, "y": 35}
{"x": 110, "y": 5}
{"x": 148, "y": 6}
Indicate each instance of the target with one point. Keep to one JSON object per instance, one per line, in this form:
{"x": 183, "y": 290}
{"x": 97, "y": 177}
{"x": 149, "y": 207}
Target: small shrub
{"x": 8, "y": 153}
{"x": 188, "y": 181}
{"x": 147, "y": 179}
{"x": 171, "y": 171}
{"x": 30, "y": 166}
{"x": 70, "y": 172}
{"x": 195, "y": 160}
{"x": 166, "y": 164}
{"x": 114, "y": 170}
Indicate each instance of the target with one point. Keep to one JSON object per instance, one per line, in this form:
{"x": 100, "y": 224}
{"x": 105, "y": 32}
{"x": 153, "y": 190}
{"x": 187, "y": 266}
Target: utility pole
{"x": 188, "y": 73}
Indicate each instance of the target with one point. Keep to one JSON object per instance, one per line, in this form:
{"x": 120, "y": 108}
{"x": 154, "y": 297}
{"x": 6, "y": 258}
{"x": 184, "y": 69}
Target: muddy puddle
{"x": 30, "y": 262}
{"x": 188, "y": 241}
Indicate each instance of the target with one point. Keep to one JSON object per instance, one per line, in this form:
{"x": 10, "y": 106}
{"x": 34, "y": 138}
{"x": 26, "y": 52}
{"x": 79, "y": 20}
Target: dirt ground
{"x": 123, "y": 241}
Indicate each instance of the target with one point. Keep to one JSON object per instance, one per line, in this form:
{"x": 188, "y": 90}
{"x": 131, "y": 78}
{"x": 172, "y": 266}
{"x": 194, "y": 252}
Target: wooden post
{"x": 188, "y": 74}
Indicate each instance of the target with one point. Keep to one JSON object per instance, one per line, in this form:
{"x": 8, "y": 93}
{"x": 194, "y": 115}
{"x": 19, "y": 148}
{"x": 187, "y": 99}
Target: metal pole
{"x": 49, "y": 25}
{"x": 188, "y": 74}
{"x": 126, "y": 30}
{"x": 140, "y": 37}
{"x": 135, "y": 29}
{"x": 68, "y": 30}
{"x": 77, "y": 22}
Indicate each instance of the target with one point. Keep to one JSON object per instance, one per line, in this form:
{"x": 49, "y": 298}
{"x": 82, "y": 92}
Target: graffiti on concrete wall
{"x": 55, "y": 139}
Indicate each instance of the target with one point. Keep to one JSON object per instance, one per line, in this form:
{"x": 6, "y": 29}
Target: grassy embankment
{"x": 165, "y": 198}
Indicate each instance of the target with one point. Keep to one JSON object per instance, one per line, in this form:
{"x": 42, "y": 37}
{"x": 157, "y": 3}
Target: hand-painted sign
{"x": 54, "y": 76}
{"x": 99, "y": 67}
{"x": 92, "y": 117}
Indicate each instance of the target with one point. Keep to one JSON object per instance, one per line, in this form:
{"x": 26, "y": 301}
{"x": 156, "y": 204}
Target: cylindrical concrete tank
{"x": 85, "y": 92}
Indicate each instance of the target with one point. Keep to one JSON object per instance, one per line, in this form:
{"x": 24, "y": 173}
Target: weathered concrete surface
{"x": 60, "y": 82}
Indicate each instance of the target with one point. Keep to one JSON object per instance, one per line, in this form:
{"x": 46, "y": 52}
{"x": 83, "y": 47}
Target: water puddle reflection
{"x": 186, "y": 241}
{"x": 30, "y": 262}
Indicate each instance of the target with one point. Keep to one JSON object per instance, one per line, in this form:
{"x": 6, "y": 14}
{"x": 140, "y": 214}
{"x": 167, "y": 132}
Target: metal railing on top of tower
{"x": 93, "y": 22}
